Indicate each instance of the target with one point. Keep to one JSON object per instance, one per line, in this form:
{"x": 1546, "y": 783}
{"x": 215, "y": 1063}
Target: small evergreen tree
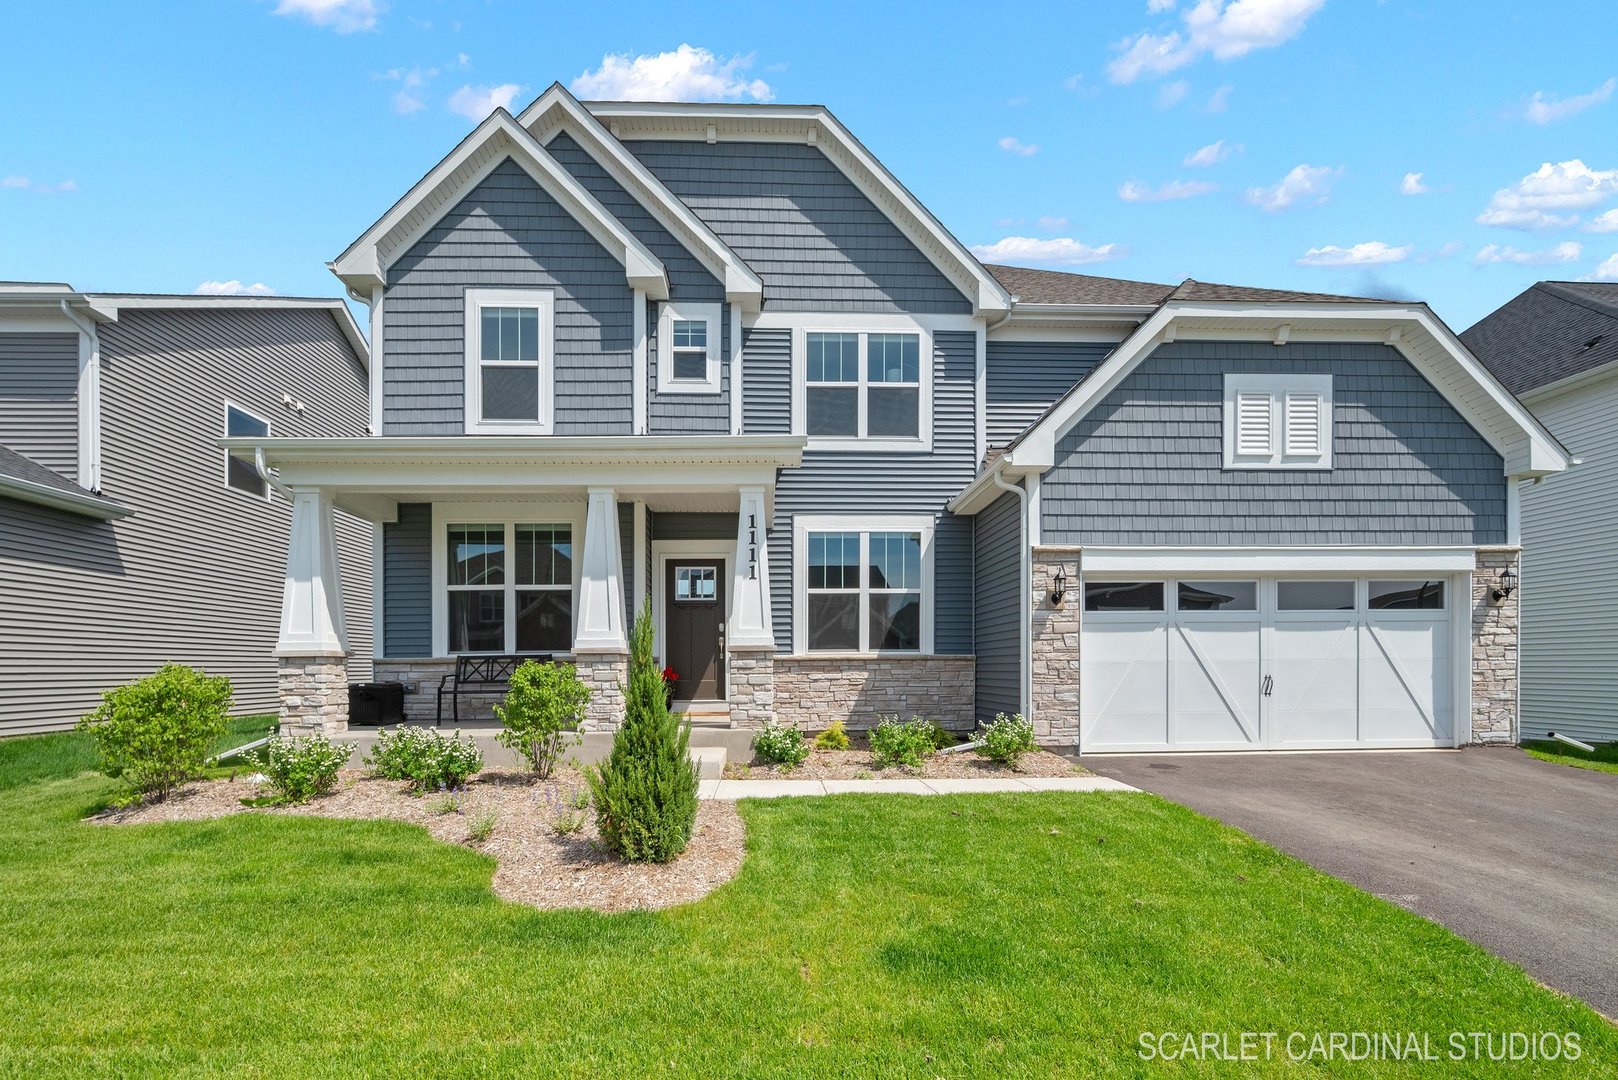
{"x": 645, "y": 791}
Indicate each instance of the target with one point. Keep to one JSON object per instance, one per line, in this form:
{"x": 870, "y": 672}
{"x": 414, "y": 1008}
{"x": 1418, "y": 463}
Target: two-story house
{"x": 127, "y": 537}
{"x": 718, "y": 356}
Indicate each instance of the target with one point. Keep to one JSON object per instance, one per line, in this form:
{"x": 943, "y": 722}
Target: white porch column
{"x": 600, "y": 623}
{"x": 750, "y": 622}
{"x": 312, "y": 648}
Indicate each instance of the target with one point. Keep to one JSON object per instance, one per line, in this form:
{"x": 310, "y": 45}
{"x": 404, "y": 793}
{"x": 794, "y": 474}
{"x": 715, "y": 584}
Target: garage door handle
{"x": 1269, "y": 684}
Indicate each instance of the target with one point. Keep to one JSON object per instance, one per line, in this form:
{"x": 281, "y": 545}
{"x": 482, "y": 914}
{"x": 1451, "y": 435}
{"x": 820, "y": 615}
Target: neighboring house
{"x": 127, "y": 537}
{"x": 1556, "y": 347}
{"x": 718, "y": 356}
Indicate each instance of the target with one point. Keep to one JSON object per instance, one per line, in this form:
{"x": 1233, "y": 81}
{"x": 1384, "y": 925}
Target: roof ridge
{"x": 1559, "y": 290}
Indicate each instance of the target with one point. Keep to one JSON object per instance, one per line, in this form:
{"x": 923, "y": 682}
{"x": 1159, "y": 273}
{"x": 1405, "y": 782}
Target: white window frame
{"x": 269, "y": 429}
{"x": 864, "y": 525}
{"x": 1278, "y": 388}
{"x": 478, "y": 299}
{"x": 874, "y": 324}
{"x": 446, "y": 515}
{"x": 668, "y": 314}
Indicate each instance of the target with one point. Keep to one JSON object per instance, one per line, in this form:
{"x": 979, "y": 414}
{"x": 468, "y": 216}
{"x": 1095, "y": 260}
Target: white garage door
{"x": 1266, "y": 664}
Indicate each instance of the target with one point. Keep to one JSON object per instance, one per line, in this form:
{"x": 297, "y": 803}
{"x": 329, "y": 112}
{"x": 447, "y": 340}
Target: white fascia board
{"x": 1276, "y": 560}
{"x": 742, "y": 285}
{"x": 360, "y": 265}
{"x": 85, "y": 505}
{"x": 649, "y": 453}
{"x": 983, "y": 491}
{"x": 1572, "y": 383}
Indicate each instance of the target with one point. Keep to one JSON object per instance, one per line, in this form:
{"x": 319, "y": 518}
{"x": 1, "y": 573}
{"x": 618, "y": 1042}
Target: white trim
{"x": 88, "y": 450}
{"x": 980, "y": 394}
{"x": 312, "y": 619}
{"x": 1032, "y": 484}
{"x": 84, "y": 504}
{"x": 662, "y": 552}
{"x": 853, "y": 320}
{"x": 570, "y": 512}
{"x": 864, "y": 327}
{"x": 1159, "y": 561}
{"x": 378, "y": 296}
{"x": 598, "y": 620}
{"x": 736, "y": 384}
{"x": 1280, "y": 390}
{"x": 1513, "y": 512}
{"x": 709, "y": 314}
{"x": 864, "y": 524}
{"x": 638, "y": 379}
{"x": 475, "y": 301}
{"x": 379, "y": 627}
{"x": 269, "y": 430}
{"x": 751, "y": 616}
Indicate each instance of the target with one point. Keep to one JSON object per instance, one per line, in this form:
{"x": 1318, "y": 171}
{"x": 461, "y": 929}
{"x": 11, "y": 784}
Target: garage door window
{"x": 1218, "y": 596}
{"x": 1407, "y": 595}
{"x": 1314, "y": 595}
{"x": 1123, "y": 596}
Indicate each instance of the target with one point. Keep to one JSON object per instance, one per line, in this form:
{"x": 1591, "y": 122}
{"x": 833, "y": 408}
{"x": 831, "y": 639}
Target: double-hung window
{"x": 509, "y": 356}
{"x": 688, "y": 349}
{"x": 1278, "y": 421}
{"x": 239, "y": 474}
{"x": 865, "y": 390}
{"x": 864, "y": 585}
{"x": 510, "y": 588}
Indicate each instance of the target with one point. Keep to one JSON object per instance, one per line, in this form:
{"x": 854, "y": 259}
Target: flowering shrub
{"x": 300, "y": 769}
{"x": 671, "y": 680}
{"x": 426, "y": 757}
{"x": 568, "y": 811}
{"x": 156, "y": 732}
{"x": 545, "y": 703}
{"x": 893, "y": 743}
{"x": 938, "y": 733}
{"x": 780, "y": 745}
{"x": 835, "y": 737}
{"x": 1006, "y": 739}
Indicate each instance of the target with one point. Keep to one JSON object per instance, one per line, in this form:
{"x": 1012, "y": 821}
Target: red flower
{"x": 670, "y": 675}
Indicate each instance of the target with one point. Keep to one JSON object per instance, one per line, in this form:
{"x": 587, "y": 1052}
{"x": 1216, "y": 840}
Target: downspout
{"x": 1025, "y": 616}
{"x": 89, "y": 404}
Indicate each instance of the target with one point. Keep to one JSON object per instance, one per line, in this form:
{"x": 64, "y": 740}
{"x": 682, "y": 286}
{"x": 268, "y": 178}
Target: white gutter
{"x": 1025, "y": 617}
{"x": 89, "y": 403}
{"x": 87, "y": 505}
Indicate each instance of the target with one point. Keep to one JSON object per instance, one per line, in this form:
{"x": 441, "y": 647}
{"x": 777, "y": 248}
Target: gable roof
{"x": 1551, "y": 331}
{"x": 27, "y": 480}
{"x": 364, "y": 263}
{"x": 1031, "y": 286}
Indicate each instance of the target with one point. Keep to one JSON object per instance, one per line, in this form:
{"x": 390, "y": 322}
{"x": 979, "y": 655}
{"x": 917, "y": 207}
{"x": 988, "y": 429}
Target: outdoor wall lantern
{"x": 1059, "y": 587}
{"x": 1507, "y": 586}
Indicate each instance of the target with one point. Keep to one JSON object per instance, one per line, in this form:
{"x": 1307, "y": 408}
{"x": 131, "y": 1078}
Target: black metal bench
{"x": 481, "y": 672}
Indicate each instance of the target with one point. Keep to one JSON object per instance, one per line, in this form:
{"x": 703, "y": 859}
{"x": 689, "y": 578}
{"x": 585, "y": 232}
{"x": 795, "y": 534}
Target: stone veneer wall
{"x": 811, "y": 691}
{"x": 750, "y": 677}
{"x": 1494, "y": 650}
{"x": 603, "y": 673}
{"x": 1054, "y": 649}
{"x": 314, "y": 695}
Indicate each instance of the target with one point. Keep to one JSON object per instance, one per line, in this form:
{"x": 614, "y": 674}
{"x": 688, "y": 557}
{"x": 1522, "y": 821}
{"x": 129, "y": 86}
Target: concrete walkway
{"x": 775, "y": 789}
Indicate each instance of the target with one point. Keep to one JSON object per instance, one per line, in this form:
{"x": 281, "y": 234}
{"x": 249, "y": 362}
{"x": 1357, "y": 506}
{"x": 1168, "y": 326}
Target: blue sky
{"x": 249, "y": 141}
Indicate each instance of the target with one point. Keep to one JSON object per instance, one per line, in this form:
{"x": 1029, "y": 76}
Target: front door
{"x": 694, "y": 626}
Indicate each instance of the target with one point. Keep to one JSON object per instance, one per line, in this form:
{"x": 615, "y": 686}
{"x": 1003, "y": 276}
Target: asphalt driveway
{"x": 1518, "y": 855}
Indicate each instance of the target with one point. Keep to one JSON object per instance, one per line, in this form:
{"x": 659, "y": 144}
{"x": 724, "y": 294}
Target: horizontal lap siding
{"x": 1025, "y": 377}
{"x": 1569, "y": 637}
{"x": 507, "y": 233}
{"x": 39, "y": 399}
{"x": 838, "y": 482}
{"x": 195, "y": 574}
{"x": 767, "y": 382}
{"x": 407, "y": 576}
{"x": 813, "y": 237}
{"x": 997, "y": 598}
{"x": 1145, "y": 465}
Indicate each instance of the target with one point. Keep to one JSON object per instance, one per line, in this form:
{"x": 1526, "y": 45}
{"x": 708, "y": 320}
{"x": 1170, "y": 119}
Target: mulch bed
{"x": 858, "y": 764}
{"x": 536, "y": 865}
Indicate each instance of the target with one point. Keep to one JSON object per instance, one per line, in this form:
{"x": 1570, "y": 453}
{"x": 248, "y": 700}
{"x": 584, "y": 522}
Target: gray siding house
{"x": 1556, "y": 346}
{"x": 127, "y": 537}
{"x": 717, "y": 357}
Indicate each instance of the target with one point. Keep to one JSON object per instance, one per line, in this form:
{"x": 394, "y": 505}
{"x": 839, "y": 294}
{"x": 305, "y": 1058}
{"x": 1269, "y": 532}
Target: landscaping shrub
{"x": 300, "y": 769}
{"x": 646, "y": 790}
{"x": 780, "y": 745}
{"x": 1006, "y": 739}
{"x": 939, "y": 734}
{"x": 426, "y": 757}
{"x": 835, "y": 737}
{"x": 155, "y": 732}
{"x": 482, "y": 827}
{"x": 893, "y": 743}
{"x": 543, "y": 707}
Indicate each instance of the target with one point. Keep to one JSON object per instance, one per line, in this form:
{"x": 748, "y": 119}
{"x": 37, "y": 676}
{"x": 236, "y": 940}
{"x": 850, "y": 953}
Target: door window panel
{"x": 1218, "y": 595}
{"x": 1315, "y": 595}
{"x": 1123, "y": 596}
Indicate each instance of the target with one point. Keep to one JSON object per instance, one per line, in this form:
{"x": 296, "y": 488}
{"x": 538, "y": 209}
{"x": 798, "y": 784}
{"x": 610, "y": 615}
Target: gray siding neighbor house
{"x": 717, "y": 359}
{"x": 1556, "y": 347}
{"x": 127, "y": 537}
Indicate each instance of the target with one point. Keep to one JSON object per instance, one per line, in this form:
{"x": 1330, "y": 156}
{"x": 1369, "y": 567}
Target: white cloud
{"x": 1073, "y": 82}
{"x": 476, "y": 102}
{"x": 1607, "y": 271}
{"x": 1304, "y": 184}
{"x": 1212, "y": 154}
{"x": 1370, "y": 253}
{"x": 1169, "y": 94}
{"x": 1169, "y": 191}
{"x": 1062, "y": 250}
{"x": 1607, "y": 222}
{"x": 343, "y": 16}
{"x": 1493, "y": 254}
{"x": 689, "y": 73}
{"x": 18, "y": 182}
{"x": 1224, "y": 29}
{"x": 1567, "y": 185}
{"x": 1013, "y": 145}
{"x": 1051, "y": 224}
{"x": 1219, "y": 100}
{"x": 1545, "y": 108}
{"x": 1157, "y": 7}
{"x": 1450, "y": 250}
{"x": 233, "y": 288}
{"x": 1412, "y": 184}
{"x": 23, "y": 183}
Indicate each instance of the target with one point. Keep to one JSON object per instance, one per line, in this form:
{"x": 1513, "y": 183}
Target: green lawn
{"x": 1017, "y": 935}
{"x": 1605, "y": 759}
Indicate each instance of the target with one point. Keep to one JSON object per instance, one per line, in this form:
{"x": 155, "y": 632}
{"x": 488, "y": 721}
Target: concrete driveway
{"x": 1517, "y": 855}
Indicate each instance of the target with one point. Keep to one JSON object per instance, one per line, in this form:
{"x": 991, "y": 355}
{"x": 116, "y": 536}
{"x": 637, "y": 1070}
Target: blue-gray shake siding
{"x": 1024, "y": 377}
{"x": 688, "y": 414}
{"x": 39, "y": 398}
{"x": 998, "y": 607}
{"x": 1145, "y": 465}
{"x": 507, "y": 232}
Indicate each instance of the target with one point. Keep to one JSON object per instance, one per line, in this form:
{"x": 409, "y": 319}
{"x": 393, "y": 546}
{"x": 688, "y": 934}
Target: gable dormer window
{"x": 509, "y": 361}
{"x": 1278, "y": 421}
{"x": 688, "y": 340}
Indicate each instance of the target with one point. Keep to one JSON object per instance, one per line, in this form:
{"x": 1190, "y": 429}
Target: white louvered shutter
{"x": 1253, "y": 424}
{"x": 1303, "y": 425}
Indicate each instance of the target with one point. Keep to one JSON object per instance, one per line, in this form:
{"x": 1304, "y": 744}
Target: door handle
{"x": 1269, "y": 684}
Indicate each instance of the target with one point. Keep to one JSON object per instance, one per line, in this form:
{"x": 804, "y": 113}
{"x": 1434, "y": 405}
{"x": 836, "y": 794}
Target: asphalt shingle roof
{"x": 1032, "y": 286}
{"x": 14, "y": 466}
{"x": 1551, "y": 331}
